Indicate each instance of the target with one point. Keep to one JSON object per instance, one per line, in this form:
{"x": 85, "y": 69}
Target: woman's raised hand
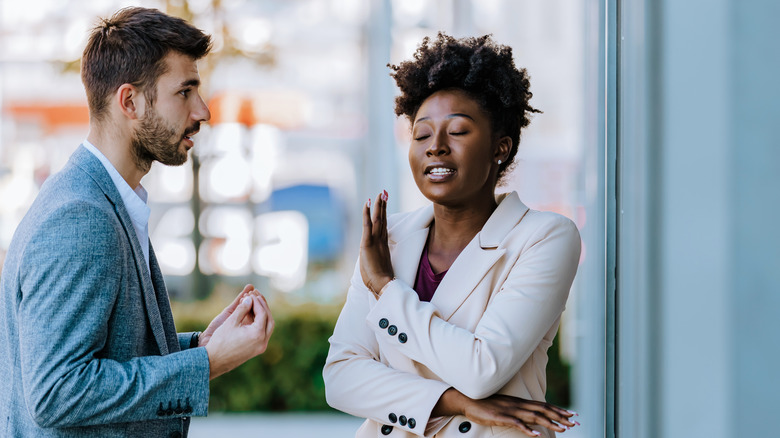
{"x": 376, "y": 268}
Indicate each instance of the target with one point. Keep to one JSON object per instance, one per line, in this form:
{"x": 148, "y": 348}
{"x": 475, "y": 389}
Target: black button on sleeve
{"x": 383, "y": 323}
{"x": 392, "y": 330}
{"x": 464, "y": 427}
{"x": 386, "y": 429}
{"x": 179, "y": 410}
{"x": 402, "y": 420}
{"x": 412, "y": 423}
{"x": 160, "y": 410}
{"x": 402, "y": 338}
{"x": 169, "y": 411}
{"x": 392, "y": 417}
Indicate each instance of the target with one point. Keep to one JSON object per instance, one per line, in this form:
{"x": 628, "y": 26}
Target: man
{"x": 87, "y": 341}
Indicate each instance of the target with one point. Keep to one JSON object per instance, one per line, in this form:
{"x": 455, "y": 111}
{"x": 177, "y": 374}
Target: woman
{"x": 418, "y": 352}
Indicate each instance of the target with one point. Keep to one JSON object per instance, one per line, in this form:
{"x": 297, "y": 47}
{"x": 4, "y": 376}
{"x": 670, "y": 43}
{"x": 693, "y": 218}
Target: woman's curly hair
{"x": 480, "y": 67}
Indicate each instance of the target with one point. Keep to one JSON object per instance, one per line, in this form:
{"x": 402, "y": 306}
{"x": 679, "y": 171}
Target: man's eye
{"x": 459, "y": 133}
{"x": 184, "y": 92}
{"x": 422, "y": 137}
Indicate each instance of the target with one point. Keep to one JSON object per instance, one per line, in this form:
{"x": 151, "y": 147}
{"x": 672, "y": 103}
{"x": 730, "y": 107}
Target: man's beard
{"x": 156, "y": 141}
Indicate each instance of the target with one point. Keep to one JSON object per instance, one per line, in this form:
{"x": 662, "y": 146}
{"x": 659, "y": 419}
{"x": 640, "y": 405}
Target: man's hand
{"x": 204, "y": 337}
{"x": 243, "y": 335}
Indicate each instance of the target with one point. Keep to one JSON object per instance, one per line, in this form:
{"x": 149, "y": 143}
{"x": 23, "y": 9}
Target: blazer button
{"x": 383, "y": 323}
{"x": 169, "y": 411}
{"x": 402, "y": 338}
{"x": 464, "y": 427}
{"x": 179, "y": 410}
{"x": 386, "y": 429}
{"x": 392, "y": 417}
{"x": 160, "y": 411}
{"x": 392, "y": 330}
{"x": 412, "y": 423}
{"x": 402, "y": 420}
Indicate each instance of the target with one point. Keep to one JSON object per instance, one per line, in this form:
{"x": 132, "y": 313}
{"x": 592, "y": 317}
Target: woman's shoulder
{"x": 545, "y": 229}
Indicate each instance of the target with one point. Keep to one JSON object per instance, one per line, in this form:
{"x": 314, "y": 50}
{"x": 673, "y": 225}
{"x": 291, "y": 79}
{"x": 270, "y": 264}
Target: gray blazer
{"x": 87, "y": 341}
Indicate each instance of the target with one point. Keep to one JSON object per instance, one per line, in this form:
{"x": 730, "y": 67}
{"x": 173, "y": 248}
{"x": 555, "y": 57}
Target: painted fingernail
{"x": 384, "y": 195}
{"x": 577, "y": 423}
{"x": 536, "y": 433}
{"x": 368, "y": 204}
{"x": 573, "y": 413}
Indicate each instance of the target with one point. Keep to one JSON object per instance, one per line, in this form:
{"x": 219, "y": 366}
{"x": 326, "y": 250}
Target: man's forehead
{"x": 180, "y": 70}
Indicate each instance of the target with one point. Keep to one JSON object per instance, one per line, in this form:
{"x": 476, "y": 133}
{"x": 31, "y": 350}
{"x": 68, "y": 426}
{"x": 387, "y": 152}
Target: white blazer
{"x": 486, "y": 330}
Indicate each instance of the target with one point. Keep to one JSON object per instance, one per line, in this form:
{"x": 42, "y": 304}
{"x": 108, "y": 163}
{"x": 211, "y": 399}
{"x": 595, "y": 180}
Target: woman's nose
{"x": 438, "y": 146}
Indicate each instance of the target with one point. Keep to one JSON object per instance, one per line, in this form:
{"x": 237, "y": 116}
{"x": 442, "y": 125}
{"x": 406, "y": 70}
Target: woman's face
{"x": 453, "y": 155}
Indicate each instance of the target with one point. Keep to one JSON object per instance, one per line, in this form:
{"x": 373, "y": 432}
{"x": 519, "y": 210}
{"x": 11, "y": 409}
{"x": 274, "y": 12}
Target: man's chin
{"x": 174, "y": 161}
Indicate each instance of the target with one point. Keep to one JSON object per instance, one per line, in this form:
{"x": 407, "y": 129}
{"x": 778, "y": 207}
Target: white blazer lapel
{"x": 463, "y": 276}
{"x": 479, "y": 256}
{"x": 406, "y": 241}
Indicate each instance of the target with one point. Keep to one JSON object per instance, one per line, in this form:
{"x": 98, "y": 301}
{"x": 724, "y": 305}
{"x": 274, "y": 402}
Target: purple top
{"x": 426, "y": 282}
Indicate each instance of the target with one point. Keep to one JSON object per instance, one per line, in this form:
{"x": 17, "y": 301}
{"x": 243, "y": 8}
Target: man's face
{"x": 166, "y": 128}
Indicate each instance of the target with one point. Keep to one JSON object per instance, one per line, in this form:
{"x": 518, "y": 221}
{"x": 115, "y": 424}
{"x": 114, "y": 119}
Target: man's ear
{"x": 130, "y": 101}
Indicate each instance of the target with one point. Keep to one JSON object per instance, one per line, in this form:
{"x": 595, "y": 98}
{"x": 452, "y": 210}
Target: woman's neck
{"x": 452, "y": 229}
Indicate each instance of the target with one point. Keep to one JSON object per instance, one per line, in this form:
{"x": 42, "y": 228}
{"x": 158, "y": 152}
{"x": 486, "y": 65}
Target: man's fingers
{"x": 241, "y": 311}
{"x": 261, "y": 313}
{"x": 270, "y": 323}
{"x": 232, "y": 306}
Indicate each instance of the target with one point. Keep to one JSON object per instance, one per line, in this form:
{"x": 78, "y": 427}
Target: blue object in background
{"x": 325, "y": 213}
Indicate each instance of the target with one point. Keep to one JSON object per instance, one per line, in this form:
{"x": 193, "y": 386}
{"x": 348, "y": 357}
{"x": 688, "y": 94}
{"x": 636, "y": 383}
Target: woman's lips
{"x": 439, "y": 173}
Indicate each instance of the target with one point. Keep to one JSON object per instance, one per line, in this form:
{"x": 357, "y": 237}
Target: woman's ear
{"x": 503, "y": 148}
{"x": 129, "y": 101}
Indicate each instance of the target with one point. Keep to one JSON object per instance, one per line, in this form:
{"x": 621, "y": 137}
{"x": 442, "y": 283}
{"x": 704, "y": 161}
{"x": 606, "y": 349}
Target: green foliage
{"x": 288, "y": 376}
{"x": 558, "y": 372}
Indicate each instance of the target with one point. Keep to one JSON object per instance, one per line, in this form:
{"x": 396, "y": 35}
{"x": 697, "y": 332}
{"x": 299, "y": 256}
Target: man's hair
{"x": 478, "y": 66}
{"x": 130, "y": 48}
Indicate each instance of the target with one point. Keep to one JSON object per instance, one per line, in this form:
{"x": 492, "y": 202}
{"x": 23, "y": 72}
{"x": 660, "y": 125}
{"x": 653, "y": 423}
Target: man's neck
{"x": 117, "y": 150}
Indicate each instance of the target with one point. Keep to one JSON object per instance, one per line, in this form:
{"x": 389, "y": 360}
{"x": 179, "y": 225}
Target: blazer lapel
{"x": 166, "y": 316}
{"x": 479, "y": 256}
{"x": 406, "y": 241}
{"x": 90, "y": 164}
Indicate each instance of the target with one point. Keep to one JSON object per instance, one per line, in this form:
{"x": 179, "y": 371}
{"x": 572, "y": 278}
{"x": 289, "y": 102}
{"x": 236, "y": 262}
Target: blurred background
{"x": 658, "y": 139}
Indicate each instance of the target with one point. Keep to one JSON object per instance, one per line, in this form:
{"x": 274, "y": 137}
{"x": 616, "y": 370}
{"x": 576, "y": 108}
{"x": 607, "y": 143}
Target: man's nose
{"x": 201, "y": 112}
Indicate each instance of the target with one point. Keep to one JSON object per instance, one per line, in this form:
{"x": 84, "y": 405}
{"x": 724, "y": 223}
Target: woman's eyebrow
{"x": 453, "y": 115}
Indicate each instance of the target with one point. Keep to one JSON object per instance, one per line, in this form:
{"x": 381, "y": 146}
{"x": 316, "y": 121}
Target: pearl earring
{"x": 499, "y": 162}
